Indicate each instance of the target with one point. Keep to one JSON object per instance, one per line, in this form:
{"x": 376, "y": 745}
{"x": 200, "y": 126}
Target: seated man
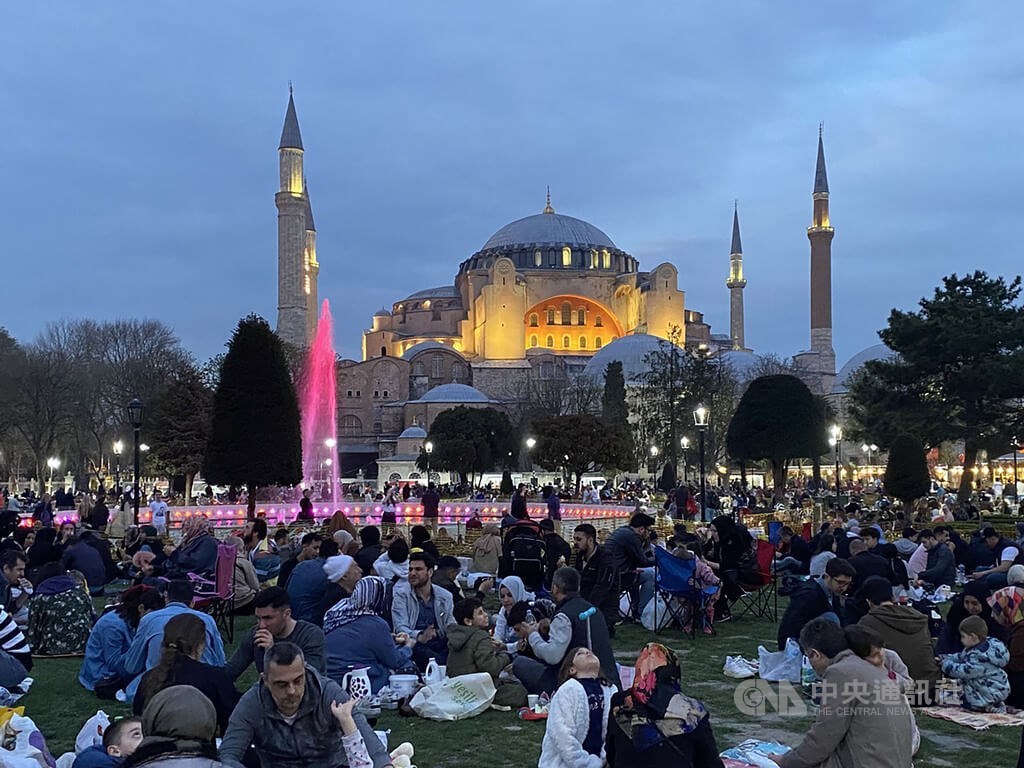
{"x": 288, "y": 719}
{"x": 816, "y": 598}
{"x": 862, "y": 721}
{"x": 598, "y": 582}
{"x": 14, "y": 582}
{"x": 147, "y": 647}
{"x": 797, "y": 557}
{"x": 575, "y": 624}
{"x": 422, "y": 611}
{"x": 471, "y": 649}
{"x": 371, "y": 549}
{"x": 867, "y": 564}
{"x": 274, "y": 624}
{"x": 941, "y": 562}
{"x": 309, "y": 546}
{"x": 307, "y": 583}
{"x": 342, "y": 574}
{"x": 904, "y": 630}
{"x": 627, "y": 558}
{"x": 998, "y": 554}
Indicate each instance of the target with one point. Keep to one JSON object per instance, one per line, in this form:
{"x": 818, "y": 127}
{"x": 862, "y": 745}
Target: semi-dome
{"x": 855, "y": 363}
{"x": 413, "y": 432}
{"x": 548, "y": 229}
{"x": 423, "y": 346}
{"x": 441, "y": 292}
{"x": 454, "y": 393}
{"x": 630, "y": 351}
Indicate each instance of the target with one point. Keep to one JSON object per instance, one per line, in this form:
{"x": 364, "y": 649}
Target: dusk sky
{"x": 140, "y": 150}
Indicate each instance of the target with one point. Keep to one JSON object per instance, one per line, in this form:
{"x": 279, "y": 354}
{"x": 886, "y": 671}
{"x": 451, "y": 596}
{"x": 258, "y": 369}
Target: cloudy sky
{"x": 140, "y": 165}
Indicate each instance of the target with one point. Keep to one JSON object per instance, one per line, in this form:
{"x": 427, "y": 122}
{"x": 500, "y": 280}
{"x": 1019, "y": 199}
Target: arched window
{"x": 552, "y": 258}
{"x": 566, "y": 314}
{"x": 583, "y": 342}
{"x": 597, "y": 343}
{"x": 593, "y": 259}
{"x": 533, "y": 340}
{"x": 394, "y": 477}
{"x": 581, "y": 316}
{"x": 383, "y": 351}
{"x": 606, "y": 258}
{"x": 538, "y": 258}
{"x": 597, "y": 321}
{"x": 549, "y": 342}
{"x": 435, "y": 367}
{"x": 351, "y": 425}
{"x": 414, "y": 476}
{"x": 417, "y": 369}
{"x": 551, "y": 316}
{"x": 565, "y": 342}
{"x": 534, "y": 320}
{"x": 566, "y": 256}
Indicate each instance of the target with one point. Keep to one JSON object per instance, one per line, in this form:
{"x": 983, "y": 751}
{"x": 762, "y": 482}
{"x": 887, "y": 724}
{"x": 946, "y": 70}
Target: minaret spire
{"x": 736, "y": 283}
{"x": 547, "y": 206}
{"x": 296, "y": 240}
{"x": 820, "y": 177}
{"x": 291, "y": 137}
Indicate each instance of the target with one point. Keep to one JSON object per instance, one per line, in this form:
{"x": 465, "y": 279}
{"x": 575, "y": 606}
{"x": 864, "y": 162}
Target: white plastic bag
{"x": 780, "y": 665}
{"x": 456, "y": 698}
{"x": 29, "y": 750}
{"x": 656, "y": 609}
{"x": 91, "y": 734}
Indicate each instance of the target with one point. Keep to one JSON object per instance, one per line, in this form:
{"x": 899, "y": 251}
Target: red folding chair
{"x": 760, "y": 597}
{"x": 217, "y": 597}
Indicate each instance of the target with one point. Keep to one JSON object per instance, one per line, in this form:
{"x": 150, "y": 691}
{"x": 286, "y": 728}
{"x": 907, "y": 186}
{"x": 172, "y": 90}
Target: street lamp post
{"x": 654, "y": 464}
{"x": 135, "y": 413}
{"x": 700, "y": 420}
{"x": 428, "y": 448}
{"x": 53, "y": 463}
{"x": 118, "y": 449}
{"x": 531, "y": 443}
{"x": 836, "y": 440}
{"x": 869, "y": 449}
{"x": 1015, "y": 447}
{"x": 685, "y": 443}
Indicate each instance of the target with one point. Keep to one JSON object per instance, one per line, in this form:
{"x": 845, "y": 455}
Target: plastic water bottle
{"x": 961, "y": 575}
{"x": 530, "y": 618}
{"x": 807, "y": 674}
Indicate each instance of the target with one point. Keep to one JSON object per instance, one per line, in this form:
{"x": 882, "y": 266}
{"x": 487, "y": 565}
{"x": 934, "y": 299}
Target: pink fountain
{"x": 319, "y": 414}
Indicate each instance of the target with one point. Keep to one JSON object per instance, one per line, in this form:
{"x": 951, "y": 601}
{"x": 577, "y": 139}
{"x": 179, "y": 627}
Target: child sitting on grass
{"x": 471, "y": 649}
{"x": 119, "y": 742}
{"x": 979, "y": 667}
{"x": 578, "y": 714}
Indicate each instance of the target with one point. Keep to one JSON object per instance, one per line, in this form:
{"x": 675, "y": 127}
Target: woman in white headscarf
{"x": 511, "y": 591}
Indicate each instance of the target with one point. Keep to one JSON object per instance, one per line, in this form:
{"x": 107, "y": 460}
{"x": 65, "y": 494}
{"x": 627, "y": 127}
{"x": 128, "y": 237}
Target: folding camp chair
{"x": 217, "y": 597}
{"x": 760, "y": 596}
{"x": 673, "y": 583}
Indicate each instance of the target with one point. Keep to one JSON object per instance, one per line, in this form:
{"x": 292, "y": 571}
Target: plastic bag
{"x": 780, "y": 665}
{"x": 656, "y": 609}
{"x": 456, "y": 698}
{"x": 91, "y": 734}
{"x": 29, "y": 749}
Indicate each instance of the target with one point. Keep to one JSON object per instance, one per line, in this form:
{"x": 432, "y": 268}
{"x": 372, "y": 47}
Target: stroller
{"x": 524, "y": 554}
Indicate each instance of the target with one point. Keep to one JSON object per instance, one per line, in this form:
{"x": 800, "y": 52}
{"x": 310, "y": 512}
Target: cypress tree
{"x": 906, "y": 474}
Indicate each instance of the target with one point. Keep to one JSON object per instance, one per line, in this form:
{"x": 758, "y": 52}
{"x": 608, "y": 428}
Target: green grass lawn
{"x": 59, "y": 706}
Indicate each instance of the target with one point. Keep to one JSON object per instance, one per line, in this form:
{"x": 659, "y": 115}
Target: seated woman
{"x": 246, "y": 582}
{"x": 419, "y": 537}
{"x": 487, "y": 551}
{"x": 358, "y": 636}
{"x": 180, "y": 729}
{"x": 60, "y": 616}
{"x": 973, "y": 602}
{"x": 43, "y": 551}
{"x": 653, "y": 724}
{"x": 512, "y": 591}
{"x": 393, "y": 565}
{"x": 732, "y": 558}
{"x": 183, "y": 645}
{"x": 103, "y": 666}
{"x": 197, "y": 551}
{"x": 347, "y": 544}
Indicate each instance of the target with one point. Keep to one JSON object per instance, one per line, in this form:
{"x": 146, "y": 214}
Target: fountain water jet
{"x": 318, "y": 407}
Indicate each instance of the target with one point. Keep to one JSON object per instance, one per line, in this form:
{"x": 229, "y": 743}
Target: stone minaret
{"x": 292, "y": 285}
{"x": 820, "y": 233}
{"x": 311, "y": 274}
{"x": 736, "y": 283}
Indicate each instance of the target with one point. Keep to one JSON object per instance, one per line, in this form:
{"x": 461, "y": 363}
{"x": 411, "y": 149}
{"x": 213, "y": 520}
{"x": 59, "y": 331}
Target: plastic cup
{"x": 531, "y": 701}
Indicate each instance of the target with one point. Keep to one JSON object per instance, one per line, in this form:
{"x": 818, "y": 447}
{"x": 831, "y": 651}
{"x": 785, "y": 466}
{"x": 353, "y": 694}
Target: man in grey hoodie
{"x": 287, "y": 718}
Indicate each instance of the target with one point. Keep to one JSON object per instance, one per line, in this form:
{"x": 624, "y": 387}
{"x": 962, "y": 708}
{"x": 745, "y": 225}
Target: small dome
{"x": 548, "y": 229}
{"x": 413, "y": 432}
{"x": 424, "y": 346}
{"x": 630, "y": 351}
{"x": 742, "y": 361}
{"x": 454, "y": 393}
{"x": 855, "y": 363}
{"x": 382, "y": 312}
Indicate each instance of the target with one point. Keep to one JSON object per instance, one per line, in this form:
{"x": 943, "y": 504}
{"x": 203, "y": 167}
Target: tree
{"x": 254, "y": 435}
{"x": 957, "y": 373}
{"x": 777, "y": 419}
{"x": 470, "y": 441}
{"x": 906, "y": 474}
{"x": 180, "y": 428}
{"x": 579, "y": 444}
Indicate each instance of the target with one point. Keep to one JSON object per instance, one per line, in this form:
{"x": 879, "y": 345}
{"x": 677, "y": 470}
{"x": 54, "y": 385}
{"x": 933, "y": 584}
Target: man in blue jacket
{"x": 423, "y": 612}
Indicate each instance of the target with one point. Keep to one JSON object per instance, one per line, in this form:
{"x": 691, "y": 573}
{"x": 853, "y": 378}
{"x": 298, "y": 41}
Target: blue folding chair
{"x": 673, "y": 581}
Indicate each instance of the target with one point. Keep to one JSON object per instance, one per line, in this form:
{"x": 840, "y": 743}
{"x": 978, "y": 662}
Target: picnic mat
{"x": 979, "y": 721}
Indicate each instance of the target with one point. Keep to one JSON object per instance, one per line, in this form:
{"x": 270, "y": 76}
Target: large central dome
{"x": 548, "y": 229}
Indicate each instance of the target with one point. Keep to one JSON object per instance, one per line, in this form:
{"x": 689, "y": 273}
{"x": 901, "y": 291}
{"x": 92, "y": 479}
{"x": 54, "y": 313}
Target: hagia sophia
{"x": 545, "y": 298}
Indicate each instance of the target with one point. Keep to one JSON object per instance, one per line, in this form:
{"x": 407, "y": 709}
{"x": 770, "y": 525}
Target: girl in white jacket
{"x": 578, "y": 714}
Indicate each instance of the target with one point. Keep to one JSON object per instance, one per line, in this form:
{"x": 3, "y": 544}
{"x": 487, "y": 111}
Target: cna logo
{"x": 758, "y": 697}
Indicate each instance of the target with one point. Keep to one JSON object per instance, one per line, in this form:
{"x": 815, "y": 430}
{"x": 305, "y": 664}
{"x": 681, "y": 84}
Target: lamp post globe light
{"x": 654, "y": 463}
{"x": 700, "y": 420}
{"x": 531, "y": 443}
{"x": 135, "y": 413}
{"x": 118, "y": 450}
{"x": 53, "y": 463}
{"x": 836, "y": 440}
{"x": 428, "y": 448}
{"x": 685, "y": 445}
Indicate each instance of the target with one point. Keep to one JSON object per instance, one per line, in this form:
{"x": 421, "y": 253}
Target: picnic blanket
{"x": 979, "y": 721}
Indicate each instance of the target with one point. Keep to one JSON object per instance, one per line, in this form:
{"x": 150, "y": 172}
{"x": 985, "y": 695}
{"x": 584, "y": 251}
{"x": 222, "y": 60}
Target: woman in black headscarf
{"x": 973, "y": 602}
{"x": 732, "y": 557}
